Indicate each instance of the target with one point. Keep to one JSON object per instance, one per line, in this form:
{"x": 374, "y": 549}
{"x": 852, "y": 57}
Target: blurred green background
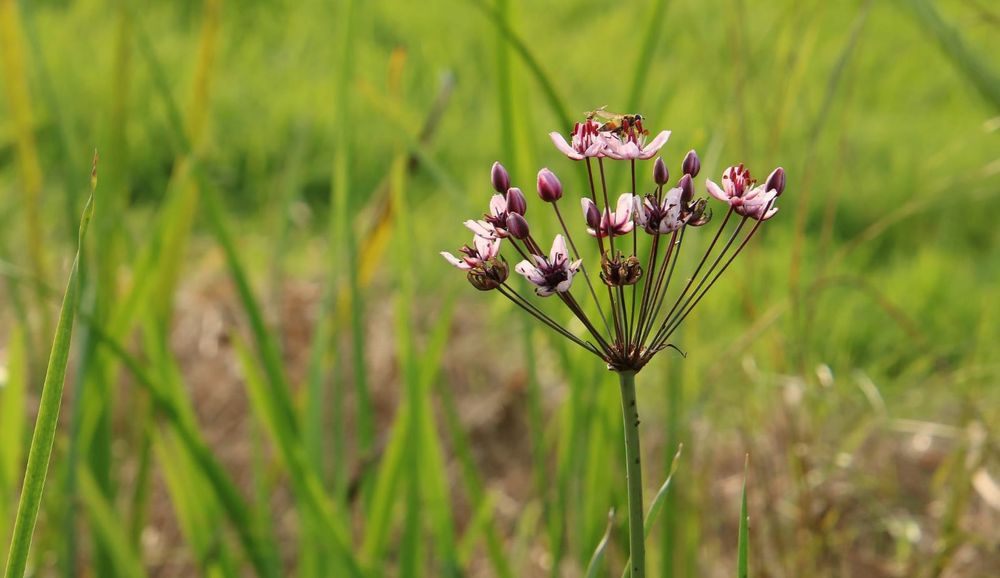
{"x": 274, "y": 372}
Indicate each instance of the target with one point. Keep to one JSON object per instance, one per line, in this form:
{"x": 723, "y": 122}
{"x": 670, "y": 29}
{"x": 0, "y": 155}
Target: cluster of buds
{"x": 625, "y": 320}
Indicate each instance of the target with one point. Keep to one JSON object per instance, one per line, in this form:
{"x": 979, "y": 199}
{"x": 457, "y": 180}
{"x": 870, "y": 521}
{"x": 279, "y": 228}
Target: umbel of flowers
{"x": 630, "y": 289}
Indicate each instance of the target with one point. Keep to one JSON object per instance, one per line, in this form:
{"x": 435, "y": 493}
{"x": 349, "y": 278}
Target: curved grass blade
{"x": 597, "y": 560}
{"x": 48, "y": 408}
{"x": 656, "y": 506}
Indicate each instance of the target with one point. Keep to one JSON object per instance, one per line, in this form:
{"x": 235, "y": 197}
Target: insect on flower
{"x": 615, "y": 122}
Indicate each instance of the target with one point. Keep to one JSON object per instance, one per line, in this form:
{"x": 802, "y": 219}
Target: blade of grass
{"x": 12, "y": 415}
{"x": 744, "y": 541}
{"x": 656, "y": 506}
{"x": 306, "y": 485}
{"x": 258, "y": 549}
{"x": 650, "y": 36}
{"x": 108, "y": 528}
{"x": 597, "y": 560}
{"x": 16, "y": 83}
{"x": 48, "y": 407}
{"x": 548, "y": 88}
{"x": 977, "y": 72}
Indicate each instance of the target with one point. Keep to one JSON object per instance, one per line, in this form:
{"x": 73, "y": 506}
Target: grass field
{"x": 272, "y": 372}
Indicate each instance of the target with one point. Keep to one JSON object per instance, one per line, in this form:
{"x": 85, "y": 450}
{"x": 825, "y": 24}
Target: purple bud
{"x": 591, "y": 214}
{"x": 776, "y": 181}
{"x": 500, "y": 178}
{"x": 692, "y": 164}
{"x": 687, "y": 188}
{"x": 549, "y": 187}
{"x": 516, "y": 202}
{"x": 660, "y": 173}
{"x": 517, "y": 226}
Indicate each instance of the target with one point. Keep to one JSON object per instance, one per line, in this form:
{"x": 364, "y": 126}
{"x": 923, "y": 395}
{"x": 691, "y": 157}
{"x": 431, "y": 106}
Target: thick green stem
{"x": 633, "y": 472}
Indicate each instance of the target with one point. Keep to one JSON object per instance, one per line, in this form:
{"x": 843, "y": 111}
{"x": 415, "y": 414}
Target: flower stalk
{"x": 633, "y": 474}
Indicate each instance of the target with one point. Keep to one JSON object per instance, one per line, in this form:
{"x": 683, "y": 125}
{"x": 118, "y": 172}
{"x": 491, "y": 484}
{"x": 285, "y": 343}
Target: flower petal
{"x": 653, "y": 147}
{"x": 455, "y": 261}
{"x": 481, "y": 229}
{"x": 716, "y": 191}
{"x": 498, "y": 205}
{"x": 623, "y": 211}
{"x": 558, "y": 249}
{"x": 563, "y": 146}
{"x": 529, "y": 272}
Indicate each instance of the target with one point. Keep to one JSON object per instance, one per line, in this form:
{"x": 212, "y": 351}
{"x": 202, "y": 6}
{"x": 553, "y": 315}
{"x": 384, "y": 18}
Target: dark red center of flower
{"x": 741, "y": 180}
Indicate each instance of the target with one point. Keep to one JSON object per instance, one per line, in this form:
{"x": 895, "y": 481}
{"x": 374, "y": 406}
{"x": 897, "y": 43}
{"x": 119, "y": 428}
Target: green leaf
{"x": 48, "y": 409}
{"x": 597, "y": 560}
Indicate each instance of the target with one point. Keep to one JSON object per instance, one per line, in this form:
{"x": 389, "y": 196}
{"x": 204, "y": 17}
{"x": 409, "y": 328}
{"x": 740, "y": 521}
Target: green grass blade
{"x": 743, "y": 561}
{"x": 640, "y": 74}
{"x": 656, "y": 506}
{"x": 107, "y": 524}
{"x": 555, "y": 101}
{"x": 305, "y": 481}
{"x": 597, "y": 560}
{"x": 259, "y": 551}
{"x": 12, "y": 416}
{"x": 48, "y": 409}
{"x": 968, "y": 62}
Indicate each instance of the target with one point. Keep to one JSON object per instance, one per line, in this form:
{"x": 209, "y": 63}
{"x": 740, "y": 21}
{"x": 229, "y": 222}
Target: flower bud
{"x": 692, "y": 164}
{"x": 776, "y": 181}
{"x": 686, "y": 185}
{"x": 500, "y": 178}
{"x": 489, "y": 275}
{"x": 516, "y": 202}
{"x": 591, "y": 214}
{"x": 517, "y": 226}
{"x": 549, "y": 187}
{"x": 660, "y": 173}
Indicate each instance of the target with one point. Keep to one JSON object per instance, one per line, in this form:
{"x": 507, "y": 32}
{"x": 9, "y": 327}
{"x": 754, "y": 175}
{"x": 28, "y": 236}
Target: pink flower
{"x": 493, "y": 225}
{"x": 585, "y": 141}
{"x": 552, "y": 275}
{"x": 738, "y": 190}
{"x": 663, "y": 217}
{"x": 483, "y": 250}
{"x": 630, "y": 144}
{"x": 610, "y": 224}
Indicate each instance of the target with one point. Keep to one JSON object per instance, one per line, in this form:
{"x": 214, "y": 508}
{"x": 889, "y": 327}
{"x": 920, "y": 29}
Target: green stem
{"x": 633, "y": 472}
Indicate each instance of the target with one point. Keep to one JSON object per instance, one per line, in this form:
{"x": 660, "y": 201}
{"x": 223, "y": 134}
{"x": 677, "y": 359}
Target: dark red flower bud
{"x": 687, "y": 188}
{"x": 517, "y": 226}
{"x": 660, "y": 173}
{"x": 549, "y": 187}
{"x": 591, "y": 214}
{"x": 692, "y": 164}
{"x": 500, "y": 178}
{"x": 516, "y": 202}
{"x": 776, "y": 181}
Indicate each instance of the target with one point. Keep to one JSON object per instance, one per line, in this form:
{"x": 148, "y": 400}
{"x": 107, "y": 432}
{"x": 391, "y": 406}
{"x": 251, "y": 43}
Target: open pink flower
{"x": 483, "y": 249}
{"x": 659, "y": 218}
{"x": 552, "y": 275}
{"x": 585, "y": 141}
{"x": 741, "y": 192}
{"x": 609, "y": 224}
{"x": 631, "y": 144}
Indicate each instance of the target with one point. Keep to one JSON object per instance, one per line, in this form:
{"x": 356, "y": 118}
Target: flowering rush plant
{"x": 621, "y": 301}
